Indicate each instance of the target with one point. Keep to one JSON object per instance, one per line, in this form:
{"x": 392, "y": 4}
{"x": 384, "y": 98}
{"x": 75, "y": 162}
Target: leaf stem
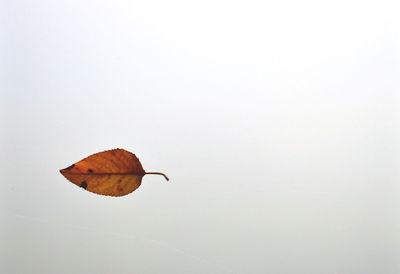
{"x": 159, "y": 173}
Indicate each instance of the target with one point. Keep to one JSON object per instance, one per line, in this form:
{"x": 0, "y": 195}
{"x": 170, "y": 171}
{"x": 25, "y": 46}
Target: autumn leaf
{"x": 115, "y": 172}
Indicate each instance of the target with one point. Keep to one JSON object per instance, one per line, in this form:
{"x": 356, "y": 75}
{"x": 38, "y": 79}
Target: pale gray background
{"x": 277, "y": 122}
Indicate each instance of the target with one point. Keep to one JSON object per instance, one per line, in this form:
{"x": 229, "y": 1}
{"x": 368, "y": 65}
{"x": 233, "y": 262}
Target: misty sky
{"x": 276, "y": 121}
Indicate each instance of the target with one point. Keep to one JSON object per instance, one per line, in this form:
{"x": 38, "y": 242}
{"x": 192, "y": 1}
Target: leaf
{"x": 115, "y": 172}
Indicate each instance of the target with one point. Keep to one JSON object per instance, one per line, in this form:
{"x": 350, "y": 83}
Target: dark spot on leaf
{"x": 71, "y": 166}
{"x": 90, "y": 170}
{"x": 84, "y": 185}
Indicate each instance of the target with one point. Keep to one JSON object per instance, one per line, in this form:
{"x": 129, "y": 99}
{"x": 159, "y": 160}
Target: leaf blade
{"x": 115, "y": 172}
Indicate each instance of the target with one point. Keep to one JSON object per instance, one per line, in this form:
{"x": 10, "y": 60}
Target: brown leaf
{"x": 115, "y": 172}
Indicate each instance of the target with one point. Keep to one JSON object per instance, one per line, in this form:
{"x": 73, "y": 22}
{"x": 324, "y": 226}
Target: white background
{"x": 277, "y": 123}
